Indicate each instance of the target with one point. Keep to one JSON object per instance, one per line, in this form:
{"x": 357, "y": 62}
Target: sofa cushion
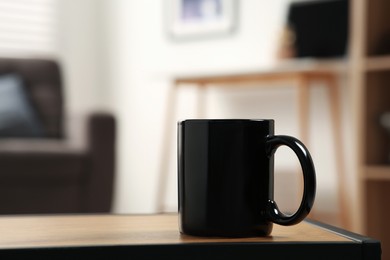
{"x": 17, "y": 115}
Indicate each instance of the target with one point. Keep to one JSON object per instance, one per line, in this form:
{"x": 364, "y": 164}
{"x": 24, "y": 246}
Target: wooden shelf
{"x": 378, "y": 63}
{"x": 377, "y": 102}
{"x": 370, "y": 50}
{"x": 380, "y": 172}
{"x": 377, "y": 27}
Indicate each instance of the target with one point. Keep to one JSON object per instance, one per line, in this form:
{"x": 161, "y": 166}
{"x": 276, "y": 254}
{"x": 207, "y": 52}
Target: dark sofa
{"x": 59, "y": 172}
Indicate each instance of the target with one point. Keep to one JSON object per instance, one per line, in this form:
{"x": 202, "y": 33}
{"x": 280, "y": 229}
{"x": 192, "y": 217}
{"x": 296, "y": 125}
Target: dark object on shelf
{"x": 383, "y": 46}
{"x": 385, "y": 123}
{"x": 320, "y": 28}
{"x": 54, "y": 173}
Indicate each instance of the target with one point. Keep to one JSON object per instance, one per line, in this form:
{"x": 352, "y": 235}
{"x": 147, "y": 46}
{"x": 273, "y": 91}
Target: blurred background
{"x": 122, "y": 57}
{"x": 114, "y": 64}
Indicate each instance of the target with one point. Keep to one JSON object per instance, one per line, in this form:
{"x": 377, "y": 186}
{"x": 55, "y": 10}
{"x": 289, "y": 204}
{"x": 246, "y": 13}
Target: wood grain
{"x": 101, "y": 230}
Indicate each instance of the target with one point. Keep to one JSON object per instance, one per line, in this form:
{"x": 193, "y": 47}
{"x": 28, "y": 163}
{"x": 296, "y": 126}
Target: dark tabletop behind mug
{"x": 226, "y": 181}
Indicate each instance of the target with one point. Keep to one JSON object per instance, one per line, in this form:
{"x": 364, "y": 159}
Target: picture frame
{"x": 201, "y": 18}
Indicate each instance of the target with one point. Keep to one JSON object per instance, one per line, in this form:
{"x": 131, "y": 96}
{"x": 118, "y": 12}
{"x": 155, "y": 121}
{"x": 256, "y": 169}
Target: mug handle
{"x": 309, "y": 180}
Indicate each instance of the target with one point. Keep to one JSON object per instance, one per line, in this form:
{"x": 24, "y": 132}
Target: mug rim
{"x": 224, "y": 120}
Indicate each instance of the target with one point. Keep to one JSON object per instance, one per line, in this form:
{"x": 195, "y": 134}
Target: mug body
{"x": 225, "y": 177}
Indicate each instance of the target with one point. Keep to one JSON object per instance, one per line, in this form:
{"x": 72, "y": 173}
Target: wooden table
{"x": 157, "y": 236}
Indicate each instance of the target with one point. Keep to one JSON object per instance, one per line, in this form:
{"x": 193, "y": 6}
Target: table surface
{"x": 77, "y": 231}
{"x": 282, "y": 70}
{"x": 51, "y": 231}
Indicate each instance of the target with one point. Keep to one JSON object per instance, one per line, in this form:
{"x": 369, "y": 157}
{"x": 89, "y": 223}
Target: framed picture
{"x": 197, "y": 18}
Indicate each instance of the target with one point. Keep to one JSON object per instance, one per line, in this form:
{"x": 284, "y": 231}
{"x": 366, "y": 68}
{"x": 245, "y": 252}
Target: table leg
{"x": 303, "y": 104}
{"x": 201, "y": 106}
{"x": 304, "y": 107}
{"x": 333, "y": 89}
{"x": 165, "y": 151}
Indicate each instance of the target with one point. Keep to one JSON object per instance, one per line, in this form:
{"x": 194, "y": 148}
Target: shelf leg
{"x": 333, "y": 90}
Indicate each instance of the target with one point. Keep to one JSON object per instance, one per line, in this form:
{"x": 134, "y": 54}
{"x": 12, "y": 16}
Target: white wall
{"x": 152, "y": 58}
{"x": 121, "y": 55}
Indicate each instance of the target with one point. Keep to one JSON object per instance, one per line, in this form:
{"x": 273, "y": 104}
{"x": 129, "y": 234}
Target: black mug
{"x": 225, "y": 177}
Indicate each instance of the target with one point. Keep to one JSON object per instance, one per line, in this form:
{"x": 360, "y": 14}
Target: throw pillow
{"x": 17, "y": 115}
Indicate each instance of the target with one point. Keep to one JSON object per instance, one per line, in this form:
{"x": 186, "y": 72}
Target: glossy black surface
{"x": 226, "y": 177}
{"x": 309, "y": 191}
